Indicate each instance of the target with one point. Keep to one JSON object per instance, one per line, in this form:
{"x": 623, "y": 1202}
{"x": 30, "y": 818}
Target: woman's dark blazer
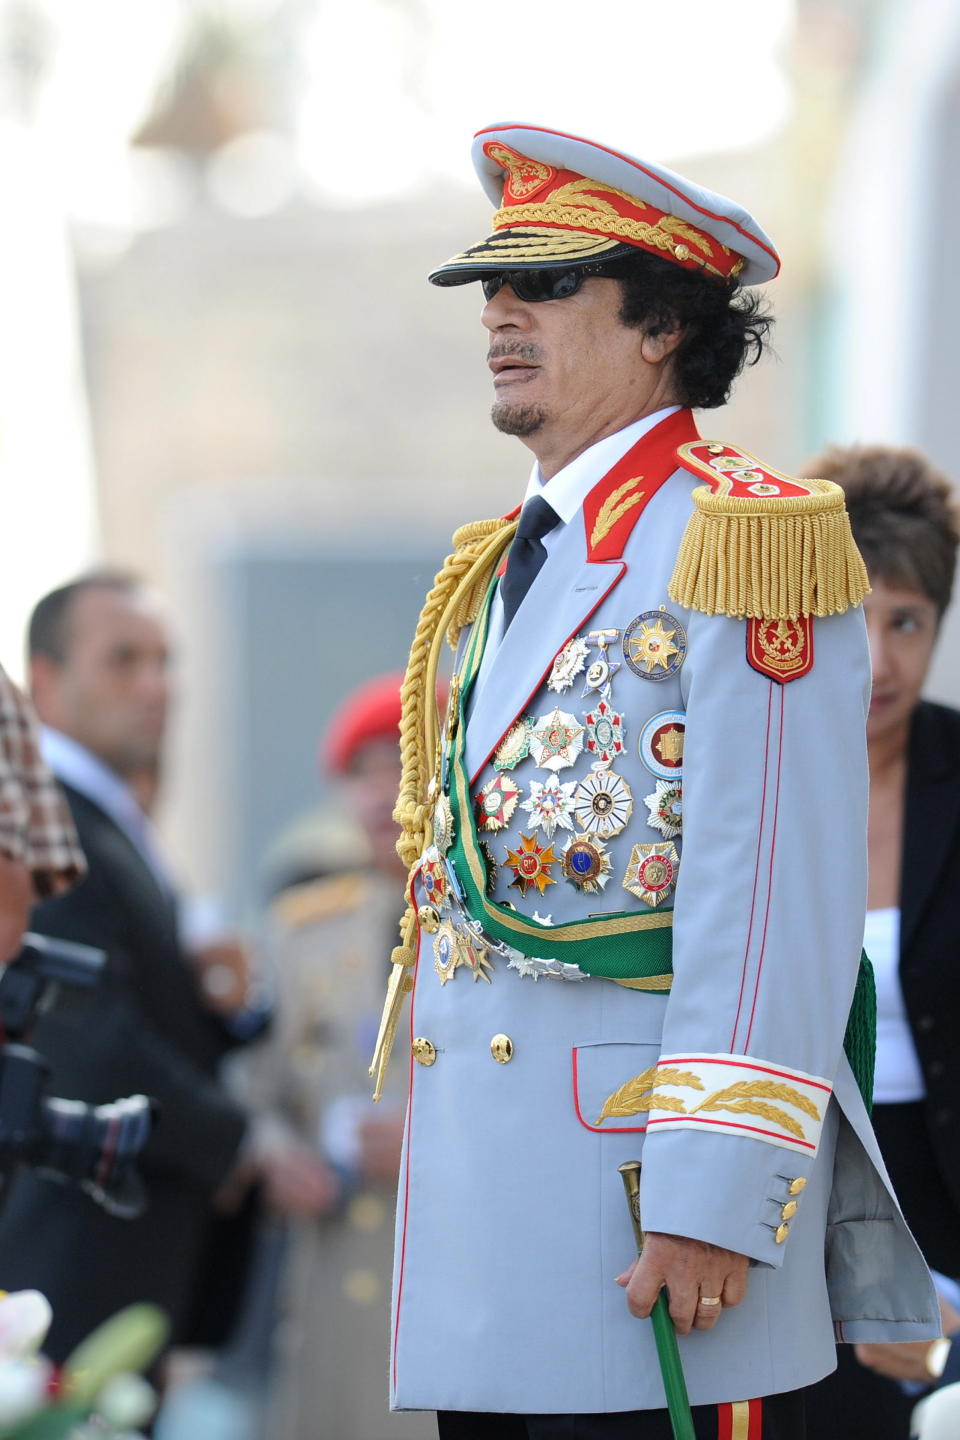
{"x": 930, "y": 923}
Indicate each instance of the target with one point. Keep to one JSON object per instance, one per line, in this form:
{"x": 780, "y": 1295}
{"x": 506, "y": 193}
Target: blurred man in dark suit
{"x": 100, "y": 679}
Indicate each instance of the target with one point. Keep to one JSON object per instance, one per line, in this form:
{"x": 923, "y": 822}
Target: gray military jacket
{"x": 709, "y": 796}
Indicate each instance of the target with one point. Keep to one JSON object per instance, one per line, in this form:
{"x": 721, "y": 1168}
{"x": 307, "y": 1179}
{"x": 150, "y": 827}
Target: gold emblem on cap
{"x": 524, "y": 176}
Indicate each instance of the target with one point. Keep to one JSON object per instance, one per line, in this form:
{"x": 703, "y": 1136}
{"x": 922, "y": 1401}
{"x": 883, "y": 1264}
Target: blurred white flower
{"x": 23, "y": 1389}
{"x": 126, "y": 1400}
{"x": 25, "y": 1317}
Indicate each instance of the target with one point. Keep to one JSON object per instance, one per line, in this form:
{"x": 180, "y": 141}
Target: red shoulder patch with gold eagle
{"x": 781, "y": 649}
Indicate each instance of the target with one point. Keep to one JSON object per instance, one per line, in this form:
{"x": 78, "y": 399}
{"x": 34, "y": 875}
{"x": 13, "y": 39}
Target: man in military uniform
{"x": 338, "y": 1188}
{"x": 637, "y": 844}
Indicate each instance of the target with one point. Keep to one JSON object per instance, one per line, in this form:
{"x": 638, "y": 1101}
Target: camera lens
{"x": 96, "y": 1146}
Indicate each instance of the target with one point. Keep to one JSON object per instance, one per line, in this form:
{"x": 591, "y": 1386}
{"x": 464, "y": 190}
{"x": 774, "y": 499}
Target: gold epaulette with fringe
{"x": 314, "y": 900}
{"x": 762, "y": 545}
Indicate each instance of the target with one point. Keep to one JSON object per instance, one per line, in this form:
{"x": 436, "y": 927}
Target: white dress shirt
{"x": 565, "y": 492}
{"x": 74, "y": 765}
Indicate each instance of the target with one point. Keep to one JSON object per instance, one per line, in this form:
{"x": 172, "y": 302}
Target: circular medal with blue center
{"x": 585, "y": 863}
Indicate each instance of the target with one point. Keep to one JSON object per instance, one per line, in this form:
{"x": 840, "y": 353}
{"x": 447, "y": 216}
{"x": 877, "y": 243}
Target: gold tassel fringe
{"x": 770, "y": 559}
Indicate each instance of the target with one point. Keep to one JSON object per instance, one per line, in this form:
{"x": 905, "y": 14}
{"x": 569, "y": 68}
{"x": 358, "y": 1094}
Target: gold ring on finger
{"x": 709, "y": 1300}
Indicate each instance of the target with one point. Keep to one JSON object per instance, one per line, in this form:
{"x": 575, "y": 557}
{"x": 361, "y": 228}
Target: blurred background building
{"x": 220, "y": 363}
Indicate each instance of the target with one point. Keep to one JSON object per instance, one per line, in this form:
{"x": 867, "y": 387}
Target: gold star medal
{"x": 475, "y": 956}
{"x": 556, "y": 740}
{"x": 666, "y": 808}
{"x": 603, "y": 803}
{"x": 654, "y": 645}
{"x": 604, "y": 733}
{"x": 531, "y": 865}
{"x": 568, "y": 665}
{"x": 652, "y": 872}
{"x": 443, "y": 825}
{"x": 489, "y": 868}
{"x": 550, "y": 805}
{"x": 496, "y": 802}
{"x": 446, "y": 955}
{"x": 586, "y": 864}
{"x": 515, "y": 745}
{"x": 661, "y": 744}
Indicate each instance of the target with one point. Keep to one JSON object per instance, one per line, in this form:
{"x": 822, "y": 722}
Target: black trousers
{"x": 928, "y": 1207}
{"x": 858, "y": 1404}
{"x": 779, "y": 1417}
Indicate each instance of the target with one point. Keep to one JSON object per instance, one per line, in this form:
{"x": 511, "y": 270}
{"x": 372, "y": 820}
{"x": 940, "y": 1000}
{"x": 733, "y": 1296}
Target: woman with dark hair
{"x": 904, "y": 520}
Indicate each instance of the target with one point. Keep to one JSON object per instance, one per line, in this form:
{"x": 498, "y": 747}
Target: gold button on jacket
{"x": 423, "y": 1051}
{"x": 501, "y": 1048}
{"x": 429, "y": 919}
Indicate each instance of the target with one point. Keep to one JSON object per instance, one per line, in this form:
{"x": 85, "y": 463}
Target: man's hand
{"x": 223, "y": 973}
{"x": 381, "y": 1140}
{"x": 16, "y": 897}
{"x": 897, "y": 1359}
{"x": 298, "y": 1182}
{"x": 907, "y": 1359}
{"x": 691, "y": 1270}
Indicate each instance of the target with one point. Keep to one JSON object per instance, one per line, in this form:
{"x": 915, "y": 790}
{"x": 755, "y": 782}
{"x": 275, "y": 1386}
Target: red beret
{"x": 371, "y": 712}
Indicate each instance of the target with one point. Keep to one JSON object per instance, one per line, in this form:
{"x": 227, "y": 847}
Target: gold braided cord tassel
{"x": 770, "y": 559}
{"x": 452, "y": 602}
{"x": 459, "y": 586}
{"x": 474, "y": 537}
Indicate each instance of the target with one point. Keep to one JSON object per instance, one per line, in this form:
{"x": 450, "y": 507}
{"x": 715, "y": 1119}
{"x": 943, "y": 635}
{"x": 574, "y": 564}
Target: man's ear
{"x": 43, "y": 679}
{"x": 658, "y": 347}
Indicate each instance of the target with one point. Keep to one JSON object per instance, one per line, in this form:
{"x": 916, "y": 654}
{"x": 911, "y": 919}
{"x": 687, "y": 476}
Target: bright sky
{"x": 390, "y": 91}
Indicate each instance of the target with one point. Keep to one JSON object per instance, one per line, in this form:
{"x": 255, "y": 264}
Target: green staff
{"x": 668, "y": 1351}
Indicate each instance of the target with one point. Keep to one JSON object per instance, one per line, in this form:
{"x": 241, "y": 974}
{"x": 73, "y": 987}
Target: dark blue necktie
{"x": 527, "y": 554}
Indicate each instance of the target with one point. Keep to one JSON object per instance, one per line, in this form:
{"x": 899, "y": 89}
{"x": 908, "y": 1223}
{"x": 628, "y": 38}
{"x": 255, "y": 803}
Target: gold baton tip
{"x": 630, "y": 1175}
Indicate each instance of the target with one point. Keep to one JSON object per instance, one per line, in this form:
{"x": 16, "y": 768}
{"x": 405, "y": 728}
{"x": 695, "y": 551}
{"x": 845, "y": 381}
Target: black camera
{"x": 93, "y": 1146}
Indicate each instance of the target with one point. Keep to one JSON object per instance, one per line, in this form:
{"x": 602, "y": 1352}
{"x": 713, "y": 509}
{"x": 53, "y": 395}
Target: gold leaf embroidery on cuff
{"x": 747, "y": 1097}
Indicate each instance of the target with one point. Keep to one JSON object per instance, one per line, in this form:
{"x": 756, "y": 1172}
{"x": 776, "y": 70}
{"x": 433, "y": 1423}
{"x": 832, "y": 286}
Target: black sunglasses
{"x": 536, "y": 285}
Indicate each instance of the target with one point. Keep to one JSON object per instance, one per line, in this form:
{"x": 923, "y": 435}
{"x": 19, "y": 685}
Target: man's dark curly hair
{"x": 724, "y": 327}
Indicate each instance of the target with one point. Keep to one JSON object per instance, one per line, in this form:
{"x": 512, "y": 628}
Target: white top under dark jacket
{"x": 899, "y": 1078}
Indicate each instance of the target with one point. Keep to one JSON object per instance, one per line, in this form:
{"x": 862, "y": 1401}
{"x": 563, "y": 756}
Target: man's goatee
{"x": 517, "y": 419}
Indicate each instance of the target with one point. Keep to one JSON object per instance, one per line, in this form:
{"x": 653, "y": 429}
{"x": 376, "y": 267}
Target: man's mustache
{"x": 517, "y": 350}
